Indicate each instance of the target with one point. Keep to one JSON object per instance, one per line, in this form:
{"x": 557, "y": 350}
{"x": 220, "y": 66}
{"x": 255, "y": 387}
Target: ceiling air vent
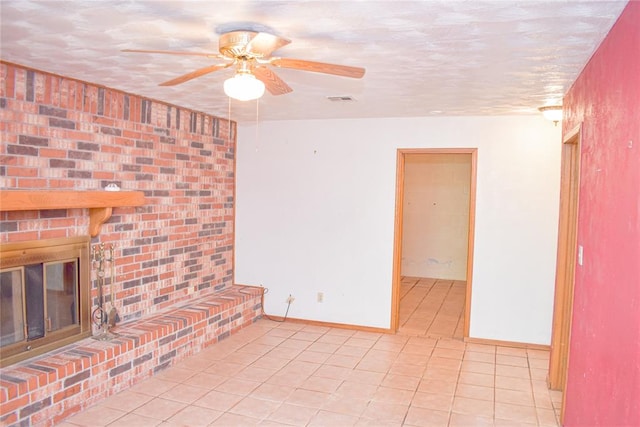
{"x": 344, "y": 98}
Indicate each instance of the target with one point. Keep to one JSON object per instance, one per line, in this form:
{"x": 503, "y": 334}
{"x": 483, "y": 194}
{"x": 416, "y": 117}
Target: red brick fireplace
{"x": 173, "y": 254}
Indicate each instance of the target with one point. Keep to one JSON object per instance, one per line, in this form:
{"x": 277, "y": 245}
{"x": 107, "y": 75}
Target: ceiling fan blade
{"x": 265, "y": 43}
{"x": 173, "y": 52}
{"x": 319, "y": 67}
{"x": 274, "y": 84}
{"x": 194, "y": 74}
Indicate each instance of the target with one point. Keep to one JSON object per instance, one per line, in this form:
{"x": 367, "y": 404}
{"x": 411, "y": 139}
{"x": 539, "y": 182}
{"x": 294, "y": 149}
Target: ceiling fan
{"x": 250, "y": 53}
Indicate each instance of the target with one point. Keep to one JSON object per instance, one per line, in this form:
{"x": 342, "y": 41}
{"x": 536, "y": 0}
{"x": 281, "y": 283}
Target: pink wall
{"x": 603, "y": 385}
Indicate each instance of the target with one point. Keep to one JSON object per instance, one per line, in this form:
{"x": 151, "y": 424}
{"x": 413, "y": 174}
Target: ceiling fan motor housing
{"x": 234, "y": 44}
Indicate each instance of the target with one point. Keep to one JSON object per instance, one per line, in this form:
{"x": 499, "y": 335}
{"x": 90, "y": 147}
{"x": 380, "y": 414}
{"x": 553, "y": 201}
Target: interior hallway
{"x": 292, "y": 374}
{"x": 432, "y": 307}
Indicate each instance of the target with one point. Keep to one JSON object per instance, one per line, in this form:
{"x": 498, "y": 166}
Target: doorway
{"x": 566, "y": 262}
{"x": 433, "y": 242}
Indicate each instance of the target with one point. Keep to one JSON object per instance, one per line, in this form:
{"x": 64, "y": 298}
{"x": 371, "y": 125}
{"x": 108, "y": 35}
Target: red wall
{"x": 603, "y": 385}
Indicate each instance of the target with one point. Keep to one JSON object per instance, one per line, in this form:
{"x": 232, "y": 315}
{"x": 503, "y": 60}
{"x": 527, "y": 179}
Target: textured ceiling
{"x": 422, "y": 57}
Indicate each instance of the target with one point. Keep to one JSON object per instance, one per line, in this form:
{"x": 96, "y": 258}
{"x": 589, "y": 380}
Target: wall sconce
{"x": 243, "y": 87}
{"x": 552, "y": 113}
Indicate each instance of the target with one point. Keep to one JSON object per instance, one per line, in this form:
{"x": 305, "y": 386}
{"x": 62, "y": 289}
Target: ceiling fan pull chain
{"x": 229, "y": 115}
{"x": 257, "y": 124}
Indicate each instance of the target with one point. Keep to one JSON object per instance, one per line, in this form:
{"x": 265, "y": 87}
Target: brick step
{"x": 46, "y": 389}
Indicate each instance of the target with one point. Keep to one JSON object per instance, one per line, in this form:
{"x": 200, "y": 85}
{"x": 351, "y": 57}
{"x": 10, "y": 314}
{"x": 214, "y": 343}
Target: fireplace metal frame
{"x": 43, "y": 251}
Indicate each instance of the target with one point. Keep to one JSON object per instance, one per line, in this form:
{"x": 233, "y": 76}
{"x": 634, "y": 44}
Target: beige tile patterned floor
{"x": 291, "y": 374}
{"x": 432, "y": 307}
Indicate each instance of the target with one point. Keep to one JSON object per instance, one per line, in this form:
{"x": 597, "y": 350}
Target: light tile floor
{"x": 432, "y": 307}
{"x": 291, "y": 374}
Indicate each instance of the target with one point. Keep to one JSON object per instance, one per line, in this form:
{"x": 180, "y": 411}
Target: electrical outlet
{"x": 320, "y": 296}
{"x": 290, "y": 299}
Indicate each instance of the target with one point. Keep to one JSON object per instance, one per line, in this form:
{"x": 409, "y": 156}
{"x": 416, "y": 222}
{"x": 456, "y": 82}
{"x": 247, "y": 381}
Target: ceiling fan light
{"x": 243, "y": 87}
{"x": 552, "y": 113}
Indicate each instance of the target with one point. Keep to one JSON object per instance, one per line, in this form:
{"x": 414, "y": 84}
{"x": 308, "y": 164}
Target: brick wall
{"x": 59, "y": 133}
{"x": 174, "y": 288}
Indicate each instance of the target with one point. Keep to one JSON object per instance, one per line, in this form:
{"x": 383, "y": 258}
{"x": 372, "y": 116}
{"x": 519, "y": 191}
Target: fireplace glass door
{"x": 40, "y": 299}
{"x": 61, "y": 288}
{"x": 12, "y": 317}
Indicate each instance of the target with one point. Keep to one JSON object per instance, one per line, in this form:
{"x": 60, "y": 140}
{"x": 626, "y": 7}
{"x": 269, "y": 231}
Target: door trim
{"x": 565, "y": 262}
{"x": 397, "y": 238}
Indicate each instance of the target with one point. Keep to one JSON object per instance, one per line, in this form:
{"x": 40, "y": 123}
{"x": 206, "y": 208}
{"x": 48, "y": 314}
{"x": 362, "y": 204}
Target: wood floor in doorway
{"x": 432, "y": 307}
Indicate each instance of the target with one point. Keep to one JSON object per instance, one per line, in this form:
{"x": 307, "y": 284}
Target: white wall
{"x": 435, "y": 225}
{"x": 315, "y": 213}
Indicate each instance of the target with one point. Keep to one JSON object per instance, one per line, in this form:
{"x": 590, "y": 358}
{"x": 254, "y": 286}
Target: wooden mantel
{"x": 99, "y": 203}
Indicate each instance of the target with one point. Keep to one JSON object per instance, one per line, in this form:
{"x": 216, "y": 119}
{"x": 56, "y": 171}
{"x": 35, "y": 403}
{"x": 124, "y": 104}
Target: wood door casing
{"x": 397, "y": 251}
{"x": 566, "y": 262}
